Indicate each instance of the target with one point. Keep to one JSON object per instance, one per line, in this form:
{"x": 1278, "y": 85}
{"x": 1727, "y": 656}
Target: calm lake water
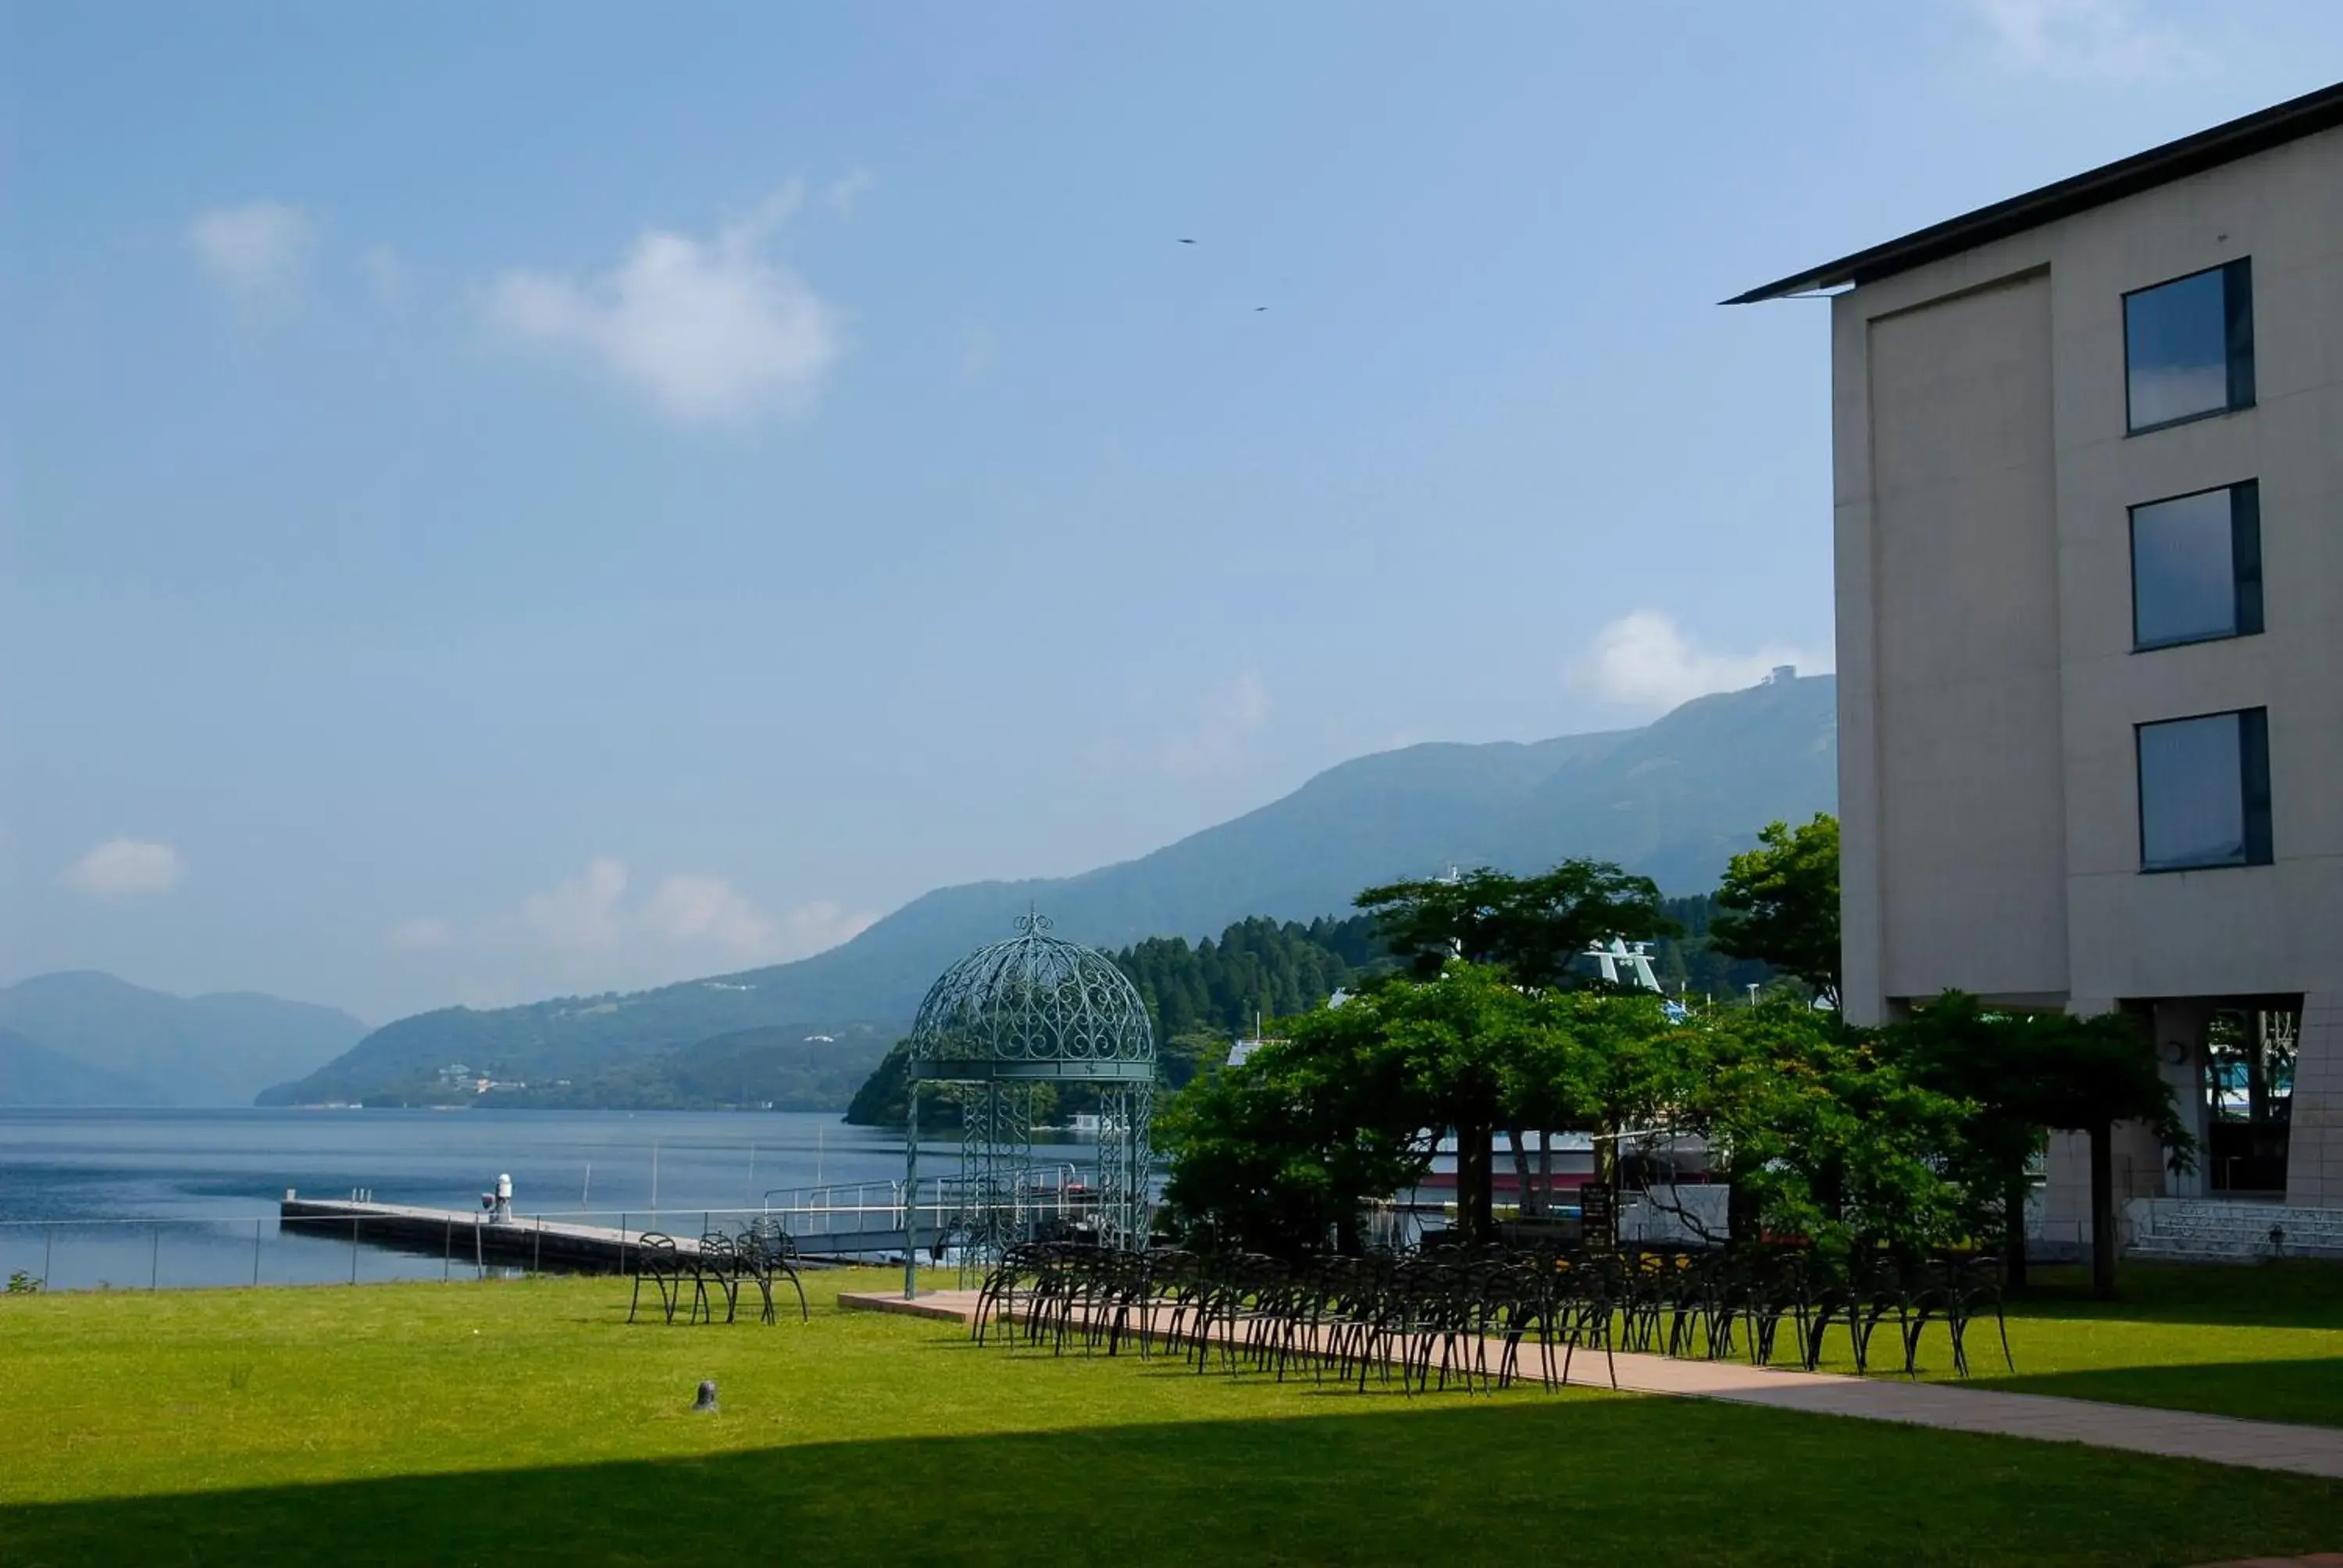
{"x": 126, "y": 1198}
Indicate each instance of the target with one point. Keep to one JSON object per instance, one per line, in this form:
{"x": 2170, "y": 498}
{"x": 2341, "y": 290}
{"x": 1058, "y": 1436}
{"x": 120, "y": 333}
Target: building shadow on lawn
{"x": 2309, "y": 1391}
{"x": 1562, "y": 1482}
{"x": 2294, "y": 1293}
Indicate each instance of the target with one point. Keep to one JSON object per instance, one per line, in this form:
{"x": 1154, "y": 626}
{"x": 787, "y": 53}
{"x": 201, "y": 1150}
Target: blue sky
{"x": 499, "y": 501}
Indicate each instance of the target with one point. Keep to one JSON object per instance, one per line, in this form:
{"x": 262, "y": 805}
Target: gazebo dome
{"x": 1034, "y": 1007}
{"x": 996, "y": 1028}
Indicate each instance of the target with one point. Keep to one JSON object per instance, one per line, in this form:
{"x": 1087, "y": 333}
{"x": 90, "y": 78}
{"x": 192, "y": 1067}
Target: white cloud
{"x": 126, "y": 869}
{"x": 707, "y": 909}
{"x": 1644, "y": 659}
{"x": 581, "y": 912}
{"x": 711, "y": 330}
{"x": 259, "y": 251}
{"x": 2111, "y": 39}
{"x": 589, "y": 920}
{"x": 1229, "y": 716}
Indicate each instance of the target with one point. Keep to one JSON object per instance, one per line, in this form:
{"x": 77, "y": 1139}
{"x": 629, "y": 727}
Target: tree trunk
{"x": 1474, "y": 1220}
{"x": 2013, "y": 1223}
{"x": 1546, "y": 1172}
{"x": 1531, "y": 1206}
{"x": 2103, "y": 1211}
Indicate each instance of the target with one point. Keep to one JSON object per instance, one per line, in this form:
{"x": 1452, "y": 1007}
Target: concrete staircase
{"x": 2214, "y": 1230}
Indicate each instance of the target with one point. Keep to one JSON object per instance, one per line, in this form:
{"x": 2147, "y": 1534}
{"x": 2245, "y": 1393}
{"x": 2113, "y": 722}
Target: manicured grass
{"x": 2261, "y": 1342}
{"x": 527, "y": 1421}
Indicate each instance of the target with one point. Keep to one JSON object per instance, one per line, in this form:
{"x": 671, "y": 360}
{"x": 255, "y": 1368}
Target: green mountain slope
{"x": 217, "y": 1050}
{"x": 1672, "y": 800}
{"x": 784, "y": 1068}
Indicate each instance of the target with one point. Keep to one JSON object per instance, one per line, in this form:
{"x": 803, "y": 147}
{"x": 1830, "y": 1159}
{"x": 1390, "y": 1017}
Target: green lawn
{"x": 526, "y": 1421}
{"x": 2262, "y": 1343}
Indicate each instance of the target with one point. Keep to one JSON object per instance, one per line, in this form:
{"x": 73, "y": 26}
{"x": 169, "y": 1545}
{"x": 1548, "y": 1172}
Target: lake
{"x": 123, "y": 1198}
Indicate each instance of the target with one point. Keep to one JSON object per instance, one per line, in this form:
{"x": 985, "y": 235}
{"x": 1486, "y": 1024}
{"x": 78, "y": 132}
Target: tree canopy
{"x": 1779, "y": 903}
{"x": 1534, "y": 928}
{"x": 1823, "y": 1132}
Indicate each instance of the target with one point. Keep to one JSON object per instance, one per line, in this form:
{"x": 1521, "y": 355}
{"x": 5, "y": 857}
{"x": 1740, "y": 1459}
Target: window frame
{"x": 2237, "y": 323}
{"x": 2246, "y": 606}
{"x": 2253, "y": 796}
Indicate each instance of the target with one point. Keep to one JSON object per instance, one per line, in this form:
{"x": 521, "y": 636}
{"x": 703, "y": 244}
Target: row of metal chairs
{"x": 1718, "y": 1303}
{"x": 1430, "y": 1321}
{"x": 692, "y": 1281}
{"x": 1470, "y": 1316}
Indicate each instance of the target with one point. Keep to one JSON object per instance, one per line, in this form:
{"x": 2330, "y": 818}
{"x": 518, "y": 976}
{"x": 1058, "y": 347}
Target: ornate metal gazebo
{"x": 1034, "y": 1010}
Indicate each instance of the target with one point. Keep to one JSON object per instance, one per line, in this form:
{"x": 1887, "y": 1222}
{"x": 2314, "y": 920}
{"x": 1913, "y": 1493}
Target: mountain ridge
{"x": 1672, "y": 800}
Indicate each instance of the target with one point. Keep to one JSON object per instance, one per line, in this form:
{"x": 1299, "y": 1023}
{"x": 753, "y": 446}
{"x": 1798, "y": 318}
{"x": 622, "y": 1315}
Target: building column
{"x": 2313, "y": 1147}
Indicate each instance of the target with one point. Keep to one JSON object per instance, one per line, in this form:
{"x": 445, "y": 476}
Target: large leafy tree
{"x": 1826, "y": 1137}
{"x": 1276, "y": 1154}
{"x": 1531, "y": 927}
{"x": 1779, "y": 903}
{"x": 1991, "y": 1060}
{"x": 1600, "y": 1062}
{"x": 1347, "y": 1105}
{"x": 2093, "y": 1074}
{"x": 2023, "y": 1073}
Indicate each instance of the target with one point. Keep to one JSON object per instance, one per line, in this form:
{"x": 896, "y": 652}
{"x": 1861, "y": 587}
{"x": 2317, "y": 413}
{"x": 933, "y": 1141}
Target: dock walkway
{"x": 528, "y": 1241}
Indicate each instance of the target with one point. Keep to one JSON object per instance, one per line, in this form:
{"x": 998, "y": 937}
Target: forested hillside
{"x": 779, "y": 1069}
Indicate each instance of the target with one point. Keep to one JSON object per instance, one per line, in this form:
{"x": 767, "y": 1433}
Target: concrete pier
{"x": 470, "y": 1237}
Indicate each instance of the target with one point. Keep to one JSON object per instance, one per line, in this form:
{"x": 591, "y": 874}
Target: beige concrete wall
{"x": 1988, "y": 688}
{"x": 1965, "y": 641}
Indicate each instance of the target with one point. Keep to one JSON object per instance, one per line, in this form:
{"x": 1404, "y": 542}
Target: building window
{"x": 2188, "y": 347}
{"x": 2196, "y": 566}
{"x": 2204, "y": 791}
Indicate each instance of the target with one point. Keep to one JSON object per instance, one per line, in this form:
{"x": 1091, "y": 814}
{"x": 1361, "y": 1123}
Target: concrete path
{"x": 2180, "y": 1434}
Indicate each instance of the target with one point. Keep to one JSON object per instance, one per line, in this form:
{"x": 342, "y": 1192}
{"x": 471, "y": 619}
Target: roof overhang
{"x": 2257, "y": 132}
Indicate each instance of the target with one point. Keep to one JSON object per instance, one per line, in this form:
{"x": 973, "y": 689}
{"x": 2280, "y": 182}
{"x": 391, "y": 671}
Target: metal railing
{"x": 150, "y": 1253}
{"x": 946, "y": 1208}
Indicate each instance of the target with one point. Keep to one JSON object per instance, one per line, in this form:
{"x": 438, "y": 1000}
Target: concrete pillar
{"x": 2314, "y": 1153}
{"x": 2067, "y": 1192}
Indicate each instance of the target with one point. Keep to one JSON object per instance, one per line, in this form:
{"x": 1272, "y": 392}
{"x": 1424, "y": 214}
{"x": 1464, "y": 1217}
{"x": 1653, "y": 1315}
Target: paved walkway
{"x": 2180, "y": 1435}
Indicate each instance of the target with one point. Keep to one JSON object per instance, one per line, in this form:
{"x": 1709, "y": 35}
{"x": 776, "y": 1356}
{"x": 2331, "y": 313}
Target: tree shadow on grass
{"x": 2309, "y": 1391}
{"x": 1499, "y": 1482}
